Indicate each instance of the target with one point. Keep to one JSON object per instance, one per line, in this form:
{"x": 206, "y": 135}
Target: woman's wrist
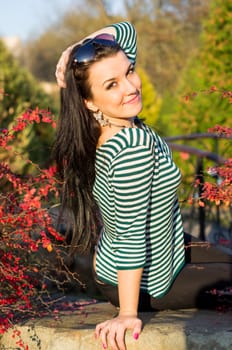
{"x": 130, "y": 313}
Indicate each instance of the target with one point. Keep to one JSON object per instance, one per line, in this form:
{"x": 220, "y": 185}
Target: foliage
{"x": 221, "y": 191}
{"x": 34, "y": 260}
{"x": 151, "y": 100}
{"x": 211, "y": 193}
{"x": 213, "y": 144}
{"x": 22, "y": 92}
{"x": 204, "y": 96}
{"x": 210, "y": 67}
{"x": 22, "y": 89}
{"x": 26, "y": 229}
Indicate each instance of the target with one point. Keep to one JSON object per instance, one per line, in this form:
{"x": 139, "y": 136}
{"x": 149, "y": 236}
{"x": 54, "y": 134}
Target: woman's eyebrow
{"x": 131, "y": 65}
{"x": 108, "y": 81}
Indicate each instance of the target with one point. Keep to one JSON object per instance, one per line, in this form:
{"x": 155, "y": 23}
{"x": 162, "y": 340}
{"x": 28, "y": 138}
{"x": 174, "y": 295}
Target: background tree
{"x": 202, "y": 99}
{"x": 41, "y": 55}
{"x": 19, "y": 92}
{"x": 168, "y": 33}
{"x": 208, "y": 76}
{"x": 151, "y": 100}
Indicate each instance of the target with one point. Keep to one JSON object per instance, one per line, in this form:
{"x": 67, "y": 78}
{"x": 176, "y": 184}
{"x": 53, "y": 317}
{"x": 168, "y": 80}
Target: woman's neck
{"x": 112, "y": 128}
{"x": 128, "y": 123}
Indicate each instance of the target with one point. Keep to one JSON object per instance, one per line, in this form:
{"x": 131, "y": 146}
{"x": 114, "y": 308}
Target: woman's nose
{"x": 130, "y": 87}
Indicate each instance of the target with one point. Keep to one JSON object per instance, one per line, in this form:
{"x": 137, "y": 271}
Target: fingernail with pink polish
{"x": 136, "y": 336}
{"x": 104, "y": 346}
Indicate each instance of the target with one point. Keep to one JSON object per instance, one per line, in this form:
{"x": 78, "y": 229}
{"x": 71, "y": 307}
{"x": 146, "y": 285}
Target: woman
{"x": 110, "y": 160}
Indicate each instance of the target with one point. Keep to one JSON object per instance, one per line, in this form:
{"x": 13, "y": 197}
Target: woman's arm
{"x": 128, "y": 289}
{"x": 125, "y": 35}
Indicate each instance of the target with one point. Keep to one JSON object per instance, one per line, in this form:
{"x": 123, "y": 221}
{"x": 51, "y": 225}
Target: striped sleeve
{"x": 127, "y": 38}
{"x": 131, "y": 182}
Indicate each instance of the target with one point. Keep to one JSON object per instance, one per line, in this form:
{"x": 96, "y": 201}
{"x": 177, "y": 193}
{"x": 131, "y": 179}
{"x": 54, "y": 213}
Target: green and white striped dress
{"x": 135, "y": 188}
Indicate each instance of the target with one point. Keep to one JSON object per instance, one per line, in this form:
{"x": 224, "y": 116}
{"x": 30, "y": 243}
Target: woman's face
{"x": 115, "y": 87}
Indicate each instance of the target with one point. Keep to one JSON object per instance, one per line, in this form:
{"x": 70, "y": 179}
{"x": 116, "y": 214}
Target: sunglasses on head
{"x": 87, "y": 51}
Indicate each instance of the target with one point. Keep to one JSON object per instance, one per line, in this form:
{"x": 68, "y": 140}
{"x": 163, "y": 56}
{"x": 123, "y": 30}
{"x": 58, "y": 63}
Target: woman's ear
{"x": 90, "y": 105}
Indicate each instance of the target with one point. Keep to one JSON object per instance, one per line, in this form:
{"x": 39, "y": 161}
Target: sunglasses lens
{"x": 86, "y": 52}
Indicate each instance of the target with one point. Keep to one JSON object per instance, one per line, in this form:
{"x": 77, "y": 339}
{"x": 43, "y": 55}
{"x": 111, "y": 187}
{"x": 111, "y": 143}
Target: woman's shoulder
{"x": 142, "y": 137}
{"x": 139, "y": 139}
{"x": 139, "y": 136}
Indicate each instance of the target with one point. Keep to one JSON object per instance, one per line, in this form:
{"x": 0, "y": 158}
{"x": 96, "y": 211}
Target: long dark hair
{"x": 75, "y": 150}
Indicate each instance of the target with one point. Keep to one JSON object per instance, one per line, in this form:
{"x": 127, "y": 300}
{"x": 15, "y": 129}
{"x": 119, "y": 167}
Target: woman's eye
{"x": 131, "y": 70}
{"x": 111, "y": 85}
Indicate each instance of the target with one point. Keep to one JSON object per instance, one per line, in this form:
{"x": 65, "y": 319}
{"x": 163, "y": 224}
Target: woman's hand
{"x": 112, "y": 332}
{"x": 61, "y": 67}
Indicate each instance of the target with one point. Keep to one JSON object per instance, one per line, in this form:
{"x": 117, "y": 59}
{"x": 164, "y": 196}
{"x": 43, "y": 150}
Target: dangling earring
{"x": 106, "y": 122}
{"x": 99, "y": 117}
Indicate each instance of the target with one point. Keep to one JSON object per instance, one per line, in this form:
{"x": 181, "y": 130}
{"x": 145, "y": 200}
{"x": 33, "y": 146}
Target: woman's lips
{"x": 133, "y": 100}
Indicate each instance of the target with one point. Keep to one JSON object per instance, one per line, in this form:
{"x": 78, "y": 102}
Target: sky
{"x": 28, "y": 18}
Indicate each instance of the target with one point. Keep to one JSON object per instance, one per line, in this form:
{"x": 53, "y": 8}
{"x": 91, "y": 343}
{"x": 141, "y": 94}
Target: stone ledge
{"x": 167, "y": 330}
